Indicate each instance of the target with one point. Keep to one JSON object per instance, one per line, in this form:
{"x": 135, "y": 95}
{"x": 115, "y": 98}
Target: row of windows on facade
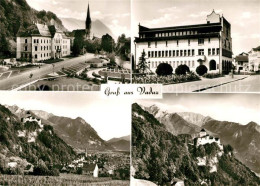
{"x": 181, "y": 53}
{"x": 200, "y": 42}
{"x": 43, "y": 48}
{"x": 47, "y": 41}
{"x": 42, "y": 55}
{"x": 169, "y": 34}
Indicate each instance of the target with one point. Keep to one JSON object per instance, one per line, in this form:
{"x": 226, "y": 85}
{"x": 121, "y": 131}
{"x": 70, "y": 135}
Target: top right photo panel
{"x": 197, "y": 45}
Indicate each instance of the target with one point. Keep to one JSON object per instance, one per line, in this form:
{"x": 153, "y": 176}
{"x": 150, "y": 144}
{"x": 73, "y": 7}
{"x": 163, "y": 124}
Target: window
{"x": 209, "y": 51}
{"x": 193, "y": 64}
{"x": 177, "y": 52}
{"x": 189, "y": 63}
{"x": 188, "y": 32}
{"x": 213, "y": 51}
{"x": 185, "y": 52}
{"x": 184, "y": 33}
{"x": 170, "y": 53}
{"x": 155, "y": 44}
{"x": 25, "y": 40}
{"x": 156, "y": 35}
{"x": 173, "y": 53}
{"x": 217, "y": 51}
{"x": 159, "y": 54}
{"x": 201, "y": 52}
{"x": 200, "y": 41}
{"x": 166, "y": 43}
{"x": 149, "y": 44}
{"x": 36, "y": 48}
{"x": 155, "y": 54}
{"x": 152, "y": 54}
{"x": 177, "y": 42}
{"x": 191, "y": 32}
{"x": 25, "y": 48}
{"x": 34, "y": 41}
{"x": 37, "y": 40}
{"x": 41, "y": 47}
{"x": 181, "y": 53}
{"x": 193, "y": 52}
{"x": 188, "y": 42}
{"x": 162, "y": 53}
{"x": 209, "y": 39}
{"x": 35, "y": 56}
{"x": 149, "y": 54}
{"x": 166, "y": 53}
{"x": 188, "y": 52}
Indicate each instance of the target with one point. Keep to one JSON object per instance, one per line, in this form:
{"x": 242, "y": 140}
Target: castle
{"x": 205, "y": 138}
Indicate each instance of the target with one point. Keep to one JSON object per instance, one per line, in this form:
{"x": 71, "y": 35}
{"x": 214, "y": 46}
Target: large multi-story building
{"x": 42, "y": 42}
{"x": 209, "y": 44}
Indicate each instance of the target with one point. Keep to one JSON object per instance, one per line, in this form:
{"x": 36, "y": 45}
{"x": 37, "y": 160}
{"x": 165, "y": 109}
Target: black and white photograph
{"x": 197, "y": 45}
{"x": 196, "y": 139}
{"x": 64, "y": 139}
{"x": 64, "y": 45}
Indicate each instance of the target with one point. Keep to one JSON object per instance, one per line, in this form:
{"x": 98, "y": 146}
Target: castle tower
{"x": 88, "y": 24}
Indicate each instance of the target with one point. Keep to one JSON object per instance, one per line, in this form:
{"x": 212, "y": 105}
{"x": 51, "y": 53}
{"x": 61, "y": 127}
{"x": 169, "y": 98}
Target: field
{"x": 63, "y": 179}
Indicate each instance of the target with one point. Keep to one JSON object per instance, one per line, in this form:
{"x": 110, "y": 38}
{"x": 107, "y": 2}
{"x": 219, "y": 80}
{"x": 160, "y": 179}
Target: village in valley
{"x": 44, "y": 55}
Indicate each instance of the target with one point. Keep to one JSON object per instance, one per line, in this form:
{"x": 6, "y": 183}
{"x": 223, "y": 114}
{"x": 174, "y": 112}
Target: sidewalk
{"x": 203, "y": 84}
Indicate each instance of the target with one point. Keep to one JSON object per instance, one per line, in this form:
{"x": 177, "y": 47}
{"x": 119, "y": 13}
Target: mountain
{"x": 120, "y": 144}
{"x": 243, "y": 138}
{"x": 30, "y": 143}
{"x": 173, "y": 121}
{"x": 75, "y": 132}
{"x": 98, "y": 28}
{"x": 15, "y": 15}
{"x": 161, "y": 157}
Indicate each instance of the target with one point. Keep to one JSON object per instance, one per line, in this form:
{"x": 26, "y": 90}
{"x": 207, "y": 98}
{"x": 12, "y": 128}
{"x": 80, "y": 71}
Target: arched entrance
{"x": 212, "y": 65}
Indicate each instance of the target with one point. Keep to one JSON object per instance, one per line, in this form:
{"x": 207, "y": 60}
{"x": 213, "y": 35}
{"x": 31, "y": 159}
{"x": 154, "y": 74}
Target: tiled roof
{"x": 44, "y": 30}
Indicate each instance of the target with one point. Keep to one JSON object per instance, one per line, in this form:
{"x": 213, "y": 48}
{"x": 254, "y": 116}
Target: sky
{"x": 240, "y": 108}
{"x": 244, "y": 16}
{"x": 113, "y": 13}
{"x": 110, "y": 117}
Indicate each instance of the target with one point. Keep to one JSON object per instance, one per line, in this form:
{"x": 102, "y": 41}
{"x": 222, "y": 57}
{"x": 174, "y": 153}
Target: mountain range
{"x": 243, "y": 138}
{"x": 75, "y": 132}
{"x": 97, "y": 27}
{"x": 163, "y": 157}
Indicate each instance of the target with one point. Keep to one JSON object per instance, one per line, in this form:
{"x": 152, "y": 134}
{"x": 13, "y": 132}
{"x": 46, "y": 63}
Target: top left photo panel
{"x": 50, "y": 45}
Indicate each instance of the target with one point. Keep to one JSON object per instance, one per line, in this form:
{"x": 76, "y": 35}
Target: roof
{"x": 43, "y": 29}
{"x": 89, "y": 167}
{"x": 241, "y": 58}
{"x": 257, "y": 48}
{"x": 202, "y": 130}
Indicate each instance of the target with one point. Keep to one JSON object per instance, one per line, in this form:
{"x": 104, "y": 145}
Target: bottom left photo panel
{"x": 64, "y": 139}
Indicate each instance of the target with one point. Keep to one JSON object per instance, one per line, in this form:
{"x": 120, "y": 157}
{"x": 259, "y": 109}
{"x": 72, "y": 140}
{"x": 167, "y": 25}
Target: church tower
{"x": 88, "y": 24}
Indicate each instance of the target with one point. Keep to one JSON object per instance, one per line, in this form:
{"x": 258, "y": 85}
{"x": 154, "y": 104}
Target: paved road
{"x": 249, "y": 84}
{"x": 23, "y": 78}
{"x": 202, "y": 85}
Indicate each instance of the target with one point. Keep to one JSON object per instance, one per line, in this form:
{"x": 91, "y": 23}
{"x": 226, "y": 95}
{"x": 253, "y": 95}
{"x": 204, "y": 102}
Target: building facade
{"x": 241, "y": 62}
{"x": 41, "y": 42}
{"x": 209, "y": 44}
{"x": 254, "y": 59}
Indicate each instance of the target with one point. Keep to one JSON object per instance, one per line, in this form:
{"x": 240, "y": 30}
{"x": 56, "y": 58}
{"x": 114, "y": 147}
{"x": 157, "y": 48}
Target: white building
{"x": 42, "y": 42}
{"x": 209, "y": 44}
{"x": 204, "y": 138}
{"x": 254, "y": 59}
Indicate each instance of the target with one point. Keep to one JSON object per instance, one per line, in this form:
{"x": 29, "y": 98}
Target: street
{"x": 23, "y": 78}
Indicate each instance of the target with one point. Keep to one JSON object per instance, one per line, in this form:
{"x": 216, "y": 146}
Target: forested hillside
{"x": 15, "y": 15}
{"x": 159, "y": 156}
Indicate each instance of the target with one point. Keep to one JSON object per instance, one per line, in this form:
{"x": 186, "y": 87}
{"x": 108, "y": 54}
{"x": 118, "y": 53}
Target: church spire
{"x": 88, "y": 22}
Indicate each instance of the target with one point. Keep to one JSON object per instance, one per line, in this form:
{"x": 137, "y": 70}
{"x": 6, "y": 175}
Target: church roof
{"x": 88, "y": 19}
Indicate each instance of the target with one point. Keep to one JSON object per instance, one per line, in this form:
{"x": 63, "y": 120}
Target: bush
{"x": 201, "y": 70}
{"x": 182, "y": 70}
{"x": 164, "y": 69}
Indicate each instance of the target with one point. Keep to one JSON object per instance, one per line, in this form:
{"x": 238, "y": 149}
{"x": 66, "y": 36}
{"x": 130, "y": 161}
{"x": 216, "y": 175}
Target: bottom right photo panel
{"x": 196, "y": 139}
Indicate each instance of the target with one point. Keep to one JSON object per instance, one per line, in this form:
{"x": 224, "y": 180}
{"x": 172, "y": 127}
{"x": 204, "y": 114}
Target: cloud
{"x": 246, "y": 15}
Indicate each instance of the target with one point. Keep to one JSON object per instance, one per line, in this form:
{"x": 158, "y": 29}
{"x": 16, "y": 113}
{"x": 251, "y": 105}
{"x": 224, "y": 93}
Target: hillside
{"x": 75, "y": 132}
{"x": 97, "y": 27}
{"x": 159, "y": 156}
{"x": 29, "y": 143}
{"x": 120, "y": 144}
{"x": 15, "y": 15}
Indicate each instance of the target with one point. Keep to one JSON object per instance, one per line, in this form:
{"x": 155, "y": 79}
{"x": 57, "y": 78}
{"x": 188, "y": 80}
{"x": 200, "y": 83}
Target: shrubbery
{"x": 164, "y": 69}
{"x": 201, "y": 70}
{"x": 182, "y": 70}
{"x": 212, "y": 75}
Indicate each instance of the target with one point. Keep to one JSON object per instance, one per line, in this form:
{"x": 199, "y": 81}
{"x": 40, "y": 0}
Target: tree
{"x": 182, "y": 70}
{"x": 201, "y": 70}
{"x": 78, "y": 43}
{"x": 107, "y": 43}
{"x": 142, "y": 65}
{"x": 164, "y": 69}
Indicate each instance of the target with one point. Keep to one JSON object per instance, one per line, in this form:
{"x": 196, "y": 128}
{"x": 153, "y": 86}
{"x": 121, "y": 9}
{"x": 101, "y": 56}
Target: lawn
{"x": 64, "y": 84}
{"x": 50, "y": 61}
{"x": 63, "y": 179}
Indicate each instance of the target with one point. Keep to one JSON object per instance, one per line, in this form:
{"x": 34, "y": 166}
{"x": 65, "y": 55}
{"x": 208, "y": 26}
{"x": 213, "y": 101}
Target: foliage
{"x": 112, "y": 58}
{"x": 123, "y": 47}
{"x": 107, "y": 43}
{"x": 182, "y": 70}
{"x": 142, "y": 65}
{"x": 78, "y": 43}
{"x": 164, "y": 69}
{"x": 212, "y": 75}
{"x": 201, "y": 70}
